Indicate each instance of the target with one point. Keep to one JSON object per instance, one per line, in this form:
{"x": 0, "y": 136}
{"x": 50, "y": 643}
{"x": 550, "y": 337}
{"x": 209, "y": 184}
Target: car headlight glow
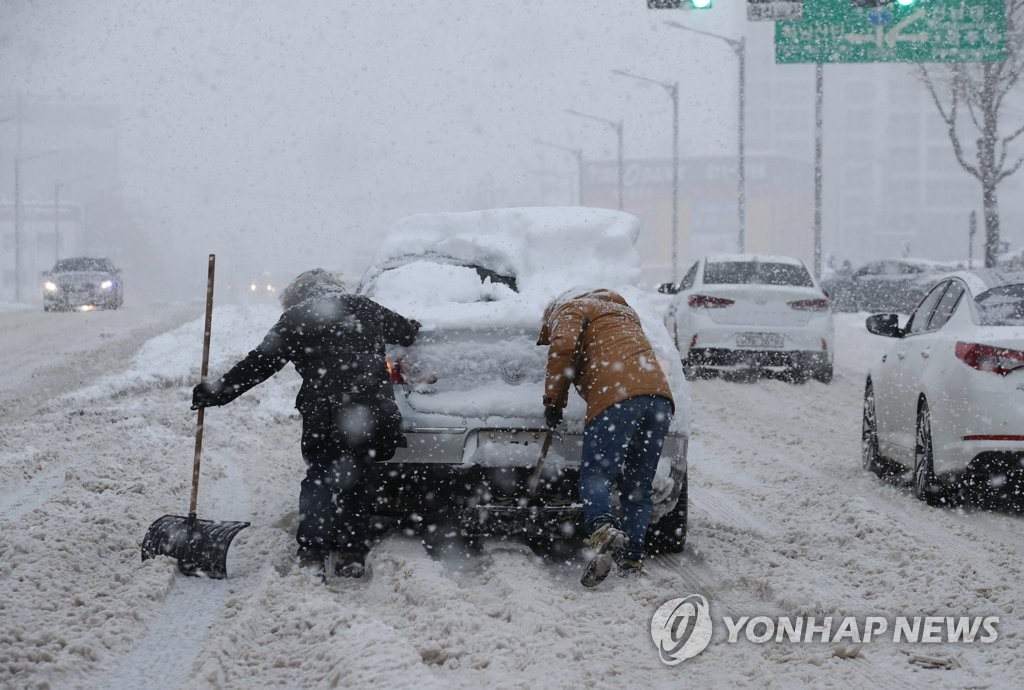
{"x": 107, "y": 284}
{"x": 50, "y": 286}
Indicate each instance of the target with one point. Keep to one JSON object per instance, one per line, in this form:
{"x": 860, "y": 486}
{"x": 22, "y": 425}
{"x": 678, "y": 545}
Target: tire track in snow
{"x": 176, "y": 634}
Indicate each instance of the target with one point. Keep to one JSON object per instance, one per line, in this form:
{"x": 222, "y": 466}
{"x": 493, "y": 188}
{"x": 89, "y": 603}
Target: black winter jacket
{"x": 336, "y": 342}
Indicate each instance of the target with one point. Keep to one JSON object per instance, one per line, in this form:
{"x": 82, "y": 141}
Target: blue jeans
{"x": 624, "y": 444}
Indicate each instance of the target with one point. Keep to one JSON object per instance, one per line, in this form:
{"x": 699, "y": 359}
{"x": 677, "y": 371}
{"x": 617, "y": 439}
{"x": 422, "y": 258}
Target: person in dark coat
{"x": 349, "y": 416}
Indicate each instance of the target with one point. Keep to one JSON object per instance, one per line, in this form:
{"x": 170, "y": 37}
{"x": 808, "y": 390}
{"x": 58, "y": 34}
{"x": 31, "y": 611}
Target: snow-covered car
{"x": 470, "y": 388}
{"x": 888, "y": 285}
{"x": 753, "y": 313}
{"x": 945, "y": 400}
{"x": 82, "y": 283}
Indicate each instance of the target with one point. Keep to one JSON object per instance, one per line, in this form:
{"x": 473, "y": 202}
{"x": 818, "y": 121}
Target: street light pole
{"x": 739, "y": 47}
{"x": 617, "y": 127}
{"x": 578, "y": 154}
{"x": 673, "y": 92}
{"x": 18, "y": 161}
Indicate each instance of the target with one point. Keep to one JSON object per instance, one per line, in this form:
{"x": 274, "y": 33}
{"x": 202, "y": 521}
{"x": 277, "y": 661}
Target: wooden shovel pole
{"x": 202, "y": 374}
{"x": 531, "y": 485}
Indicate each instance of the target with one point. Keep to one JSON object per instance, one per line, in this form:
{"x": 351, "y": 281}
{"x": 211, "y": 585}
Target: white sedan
{"x": 947, "y": 399}
{"x": 753, "y": 313}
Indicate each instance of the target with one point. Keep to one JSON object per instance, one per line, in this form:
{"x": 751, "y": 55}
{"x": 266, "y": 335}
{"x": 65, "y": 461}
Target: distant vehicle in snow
{"x": 888, "y": 285}
{"x": 470, "y": 388}
{"x": 82, "y": 283}
{"x": 752, "y": 313}
{"x": 945, "y": 399}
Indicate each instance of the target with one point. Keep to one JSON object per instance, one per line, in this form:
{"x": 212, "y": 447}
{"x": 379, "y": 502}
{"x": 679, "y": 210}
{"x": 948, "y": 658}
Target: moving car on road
{"x": 470, "y": 388}
{"x": 946, "y": 401}
{"x": 82, "y": 283}
{"x": 753, "y": 313}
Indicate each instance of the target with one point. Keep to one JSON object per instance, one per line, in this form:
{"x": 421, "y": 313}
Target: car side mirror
{"x": 887, "y": 325}
{"x": 668, "y": 288}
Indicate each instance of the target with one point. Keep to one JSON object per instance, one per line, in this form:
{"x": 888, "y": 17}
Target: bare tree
{"x": 970, "y": 98}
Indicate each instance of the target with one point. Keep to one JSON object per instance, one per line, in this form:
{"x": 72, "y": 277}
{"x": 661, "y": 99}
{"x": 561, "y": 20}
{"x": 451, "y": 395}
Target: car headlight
{"x": 107, "y": 284}
{"x": 50, "y": 286}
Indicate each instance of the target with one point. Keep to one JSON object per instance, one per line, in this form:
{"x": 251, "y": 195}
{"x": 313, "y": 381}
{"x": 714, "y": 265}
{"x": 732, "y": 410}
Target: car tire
{"x": 870, "y": 458}
{"x": 668, "y": 535}
{"x": 823, "y": 373}
{"x": 926, "y": 486}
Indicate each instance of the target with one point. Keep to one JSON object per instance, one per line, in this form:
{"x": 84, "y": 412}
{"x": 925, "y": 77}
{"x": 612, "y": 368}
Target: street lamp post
{"x": 673, "y": 92}
{"x": 578, "y": 154}
{"x": 18, "y": 162}
{"x": 739, "y": 46}
{"x": 617, "y": 127}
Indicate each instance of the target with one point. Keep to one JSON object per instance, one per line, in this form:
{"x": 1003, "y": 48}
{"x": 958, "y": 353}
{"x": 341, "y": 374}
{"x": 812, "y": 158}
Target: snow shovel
{"x": 201, "y": 546}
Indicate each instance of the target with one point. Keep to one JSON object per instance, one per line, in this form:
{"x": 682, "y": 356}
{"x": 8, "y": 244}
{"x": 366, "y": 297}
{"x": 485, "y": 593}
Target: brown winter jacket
{"x": 616, "y": 360}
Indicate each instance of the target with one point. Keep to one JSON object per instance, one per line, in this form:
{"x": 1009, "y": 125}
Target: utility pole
{"x": 578, "y": 154}
{"x": 673, "y": 91}
{"x": 739, "y": 47}
{"x": 616, "y": 126}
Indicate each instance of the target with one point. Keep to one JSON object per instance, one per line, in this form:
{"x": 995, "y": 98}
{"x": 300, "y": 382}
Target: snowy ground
{"x": 96, "y": 441}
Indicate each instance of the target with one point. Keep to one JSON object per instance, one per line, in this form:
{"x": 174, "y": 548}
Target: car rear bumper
{"x": 444, "y": 470}
{"x": 790, "y": 359}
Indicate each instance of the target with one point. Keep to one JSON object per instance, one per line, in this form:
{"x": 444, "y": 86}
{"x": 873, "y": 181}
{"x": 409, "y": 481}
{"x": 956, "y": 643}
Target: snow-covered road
{"x": 96, "y": 442}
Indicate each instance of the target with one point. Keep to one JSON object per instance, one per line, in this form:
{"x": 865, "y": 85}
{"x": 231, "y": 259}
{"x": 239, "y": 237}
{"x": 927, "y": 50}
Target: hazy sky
{"x": 324, "y": 121}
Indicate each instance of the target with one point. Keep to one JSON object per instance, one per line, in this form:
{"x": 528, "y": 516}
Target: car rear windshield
{"x": 83, "y": 264}
{"x": 756, "y": 272}
{"x": 1002, "y": 306}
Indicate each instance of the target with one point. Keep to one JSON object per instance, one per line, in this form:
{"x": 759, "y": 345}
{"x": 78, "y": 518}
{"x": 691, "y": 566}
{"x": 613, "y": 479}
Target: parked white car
{"x": 470, "y": 388}
{"x": 947, "y": 399}
{"x": 753, "y": 313}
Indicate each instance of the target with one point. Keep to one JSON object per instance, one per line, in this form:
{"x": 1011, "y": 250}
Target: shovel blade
{"x": 201, "y": 546}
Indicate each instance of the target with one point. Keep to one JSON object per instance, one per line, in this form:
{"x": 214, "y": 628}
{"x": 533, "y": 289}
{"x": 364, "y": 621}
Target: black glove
{"x": 206, "y": 394}
{"x": 552, "y": 416}
{"x": 416, "y": 325}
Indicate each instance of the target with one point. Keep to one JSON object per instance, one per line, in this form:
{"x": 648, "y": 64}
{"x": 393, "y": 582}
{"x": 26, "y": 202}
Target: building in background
{"x": 892, "y": 185}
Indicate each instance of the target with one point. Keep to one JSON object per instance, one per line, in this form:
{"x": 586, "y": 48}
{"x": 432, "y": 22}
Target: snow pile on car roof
{"x": 547, "y": 249}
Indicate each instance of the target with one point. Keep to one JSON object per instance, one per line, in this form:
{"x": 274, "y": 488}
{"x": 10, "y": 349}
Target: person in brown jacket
{"x": 596, "y": 343}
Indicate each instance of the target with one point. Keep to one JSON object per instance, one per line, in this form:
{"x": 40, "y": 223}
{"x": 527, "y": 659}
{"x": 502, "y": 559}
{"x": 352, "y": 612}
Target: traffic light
{"x": 679, "y": 4}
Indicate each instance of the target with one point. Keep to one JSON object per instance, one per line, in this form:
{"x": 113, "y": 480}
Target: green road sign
{"x": 924, "y": 31}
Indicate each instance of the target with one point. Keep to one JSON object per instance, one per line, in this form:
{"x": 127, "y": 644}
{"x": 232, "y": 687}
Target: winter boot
{"x": 607, "y": 540}
{"x": 351, "y": 565}
{"x": 630, "y": 568}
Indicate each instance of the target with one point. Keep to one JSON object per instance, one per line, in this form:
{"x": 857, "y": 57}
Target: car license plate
{"x": 759, "y": 340}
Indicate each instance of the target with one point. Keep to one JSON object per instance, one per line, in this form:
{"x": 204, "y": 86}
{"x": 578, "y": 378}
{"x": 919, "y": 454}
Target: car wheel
{"x": 870, "y": 458}
{"x": 823, "y": 373}
{"x": 926, "y": 487}
{"x": 668, "y": 535}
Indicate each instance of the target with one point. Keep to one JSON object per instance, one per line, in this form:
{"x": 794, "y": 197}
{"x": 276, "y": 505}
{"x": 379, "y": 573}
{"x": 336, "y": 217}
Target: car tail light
{"x": 697, "y": 301}
{"x": 998, "y": 360}
{"x": 824, "y": 345}
{"x": 817, "y": 304}
{"x": 394, "y": 369}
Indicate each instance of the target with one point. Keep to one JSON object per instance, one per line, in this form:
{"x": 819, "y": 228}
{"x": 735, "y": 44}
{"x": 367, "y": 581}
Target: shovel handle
{"x": 202, "y": 373}
{"x": 531, "y": 484}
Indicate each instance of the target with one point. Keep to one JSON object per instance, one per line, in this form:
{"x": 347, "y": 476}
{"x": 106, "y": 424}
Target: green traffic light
{"x": 904, "y": 3}
{"x": 705, "y": 4}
